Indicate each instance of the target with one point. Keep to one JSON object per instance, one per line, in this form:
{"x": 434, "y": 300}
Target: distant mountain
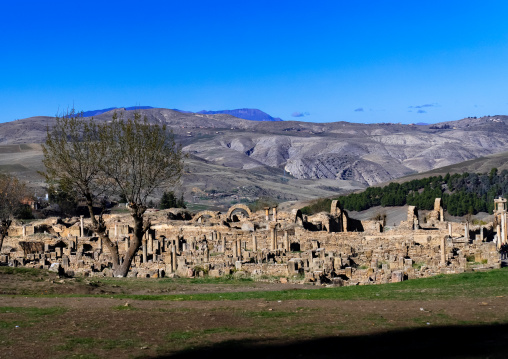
{"x": 245, "y": 113}
{"x": 251, "y": 114}
{"x": 98, "y": 112}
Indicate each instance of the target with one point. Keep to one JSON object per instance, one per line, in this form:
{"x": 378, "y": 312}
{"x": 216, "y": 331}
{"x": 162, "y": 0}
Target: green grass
{"x": 29, "y": 316}
{"x": 476, "y": 284}
{"x": 10, "y": 324}
{"x": 33, "y": 312}
{"x": 228, "y": 279}
{"x": 471, "y": 285}
{"x": 23, "y": 271}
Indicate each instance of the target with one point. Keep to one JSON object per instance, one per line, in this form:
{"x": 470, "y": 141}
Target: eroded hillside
{"x": 289, "y": 151}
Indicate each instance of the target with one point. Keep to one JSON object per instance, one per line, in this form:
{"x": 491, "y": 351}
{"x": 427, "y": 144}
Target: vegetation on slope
{"x": 466, "y": 193}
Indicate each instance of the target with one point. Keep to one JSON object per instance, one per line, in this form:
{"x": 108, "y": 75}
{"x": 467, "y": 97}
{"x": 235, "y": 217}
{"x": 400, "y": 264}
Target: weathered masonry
{"x": 324, "y": 248}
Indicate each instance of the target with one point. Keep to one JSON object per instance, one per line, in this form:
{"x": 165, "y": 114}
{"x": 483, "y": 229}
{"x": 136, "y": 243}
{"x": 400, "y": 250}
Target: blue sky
{"x": 320, "y": 61}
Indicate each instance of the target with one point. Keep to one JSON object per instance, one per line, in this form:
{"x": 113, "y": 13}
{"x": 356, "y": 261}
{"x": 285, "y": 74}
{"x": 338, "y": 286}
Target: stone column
{"x": 286, "y": 241}
{"x": 466, "y": 232}
{"x": 481, "y": 233}
{"x": 149, "y": 242}
{"x": 254, "y": 243}
{"x": 441, "y": 214}
{"x": 24, "y": 230}
{"x": 235, "y": 251}
{"x": 267, "y": 213}
{"x": 144, "y": 252}
{"x": 223, "y": 244}
{"x": 173, "y": 258}
{"x": 273, "y": 238}
{"x": 505, "y": 238}
{"x": 82, "y": 226}
{"x": 503, "y": 230}
{"x": 498, "y": 231}
{"x": 116, "y": 231}
{"x": 239, "y": 247}
{"x": 275, "y": 214}
{"x": 443, "y": 250}
{"x": 449, "y": 229}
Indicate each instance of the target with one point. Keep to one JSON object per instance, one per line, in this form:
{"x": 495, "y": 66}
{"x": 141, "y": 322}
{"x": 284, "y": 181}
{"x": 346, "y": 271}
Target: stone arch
{"x": 335, "y": 208}
{"x": 214, "y": 215}
{"x": 297, "y": 216}
{"x": 239, "y": 206}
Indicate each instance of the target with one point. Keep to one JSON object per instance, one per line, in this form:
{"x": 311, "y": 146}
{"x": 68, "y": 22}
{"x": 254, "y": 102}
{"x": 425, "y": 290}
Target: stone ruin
{"x": 326, "y": 248}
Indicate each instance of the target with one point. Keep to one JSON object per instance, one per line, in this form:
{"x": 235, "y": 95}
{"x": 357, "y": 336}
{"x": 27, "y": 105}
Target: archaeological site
{"x": 324, "y": 249}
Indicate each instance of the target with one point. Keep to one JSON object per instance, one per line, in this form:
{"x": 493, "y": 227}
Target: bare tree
{"x": 12, "y": 194}
{"x": 72, "y": 160}
{"x": 139, "y": 158}
{"x": 130, "y": 157}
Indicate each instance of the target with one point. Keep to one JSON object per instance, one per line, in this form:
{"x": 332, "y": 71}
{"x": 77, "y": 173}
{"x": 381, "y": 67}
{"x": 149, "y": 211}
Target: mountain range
{"x": 251, "y": 114}
{"x": 288, "y": 160}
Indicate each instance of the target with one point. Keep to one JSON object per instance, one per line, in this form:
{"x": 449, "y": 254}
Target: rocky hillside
{"x": 364, "y": 153}
{"x": 245, "y": 113}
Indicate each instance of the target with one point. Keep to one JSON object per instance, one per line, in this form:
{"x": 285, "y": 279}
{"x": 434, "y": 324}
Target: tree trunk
{"x": 100, "y": 228}
{"x": 137, "y": 211}
{"x": 2, "y": 236}
{"x": 4, "y": 227}
{"x": 139, "y": 230}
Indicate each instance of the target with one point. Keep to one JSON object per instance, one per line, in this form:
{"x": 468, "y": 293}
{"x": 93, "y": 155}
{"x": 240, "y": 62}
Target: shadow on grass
{"x": 479, "y": 341}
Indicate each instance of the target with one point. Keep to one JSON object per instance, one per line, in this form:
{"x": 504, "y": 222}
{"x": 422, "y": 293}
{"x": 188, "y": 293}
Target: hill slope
{"x": 360, "y": 154}
{"x": 245, "y": 113}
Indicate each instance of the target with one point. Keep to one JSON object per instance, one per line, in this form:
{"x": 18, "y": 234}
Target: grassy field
{"x": 448, "y": 316}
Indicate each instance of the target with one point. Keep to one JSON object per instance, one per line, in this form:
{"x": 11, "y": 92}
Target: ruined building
{"x": 326, "y": 248}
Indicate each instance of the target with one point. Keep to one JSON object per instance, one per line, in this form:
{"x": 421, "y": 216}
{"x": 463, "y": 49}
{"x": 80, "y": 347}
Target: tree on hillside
{"x": 169, "y": 200}
{"x": 130, "y": 158}
{"x": 12, "y": 194}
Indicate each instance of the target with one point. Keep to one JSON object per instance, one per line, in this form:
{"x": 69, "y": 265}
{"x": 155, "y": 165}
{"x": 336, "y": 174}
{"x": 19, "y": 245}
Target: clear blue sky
{"x": 360, "y": 61}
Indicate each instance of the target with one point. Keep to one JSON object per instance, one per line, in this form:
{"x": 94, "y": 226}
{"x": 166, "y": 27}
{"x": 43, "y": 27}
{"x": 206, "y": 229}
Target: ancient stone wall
{"x": 326, "y": 248}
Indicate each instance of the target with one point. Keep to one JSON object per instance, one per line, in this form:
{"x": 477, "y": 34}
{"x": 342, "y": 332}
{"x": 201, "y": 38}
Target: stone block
{"x": 248, "y": 226}
{"x": 397, "y": 276}
{"x": 215, "y": 273}
{"x": 55, "y": 267}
